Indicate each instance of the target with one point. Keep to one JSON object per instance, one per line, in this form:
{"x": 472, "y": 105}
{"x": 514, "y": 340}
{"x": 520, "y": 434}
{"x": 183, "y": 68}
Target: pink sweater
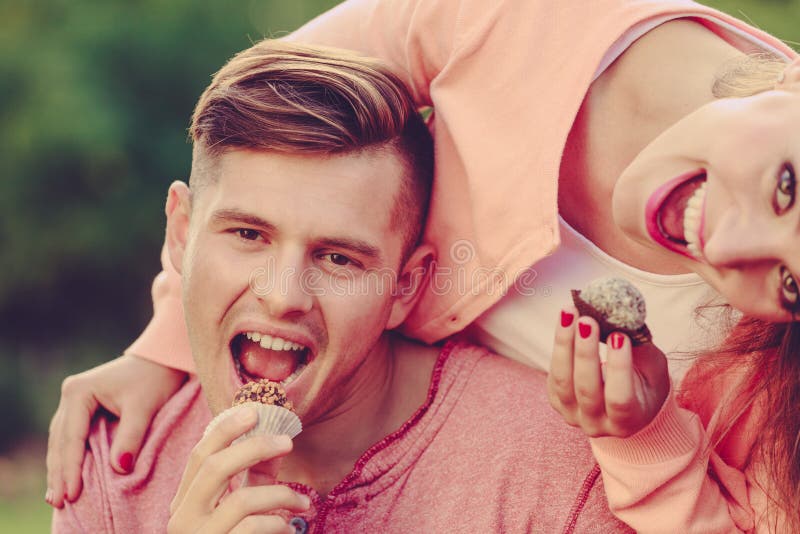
{"x": 667, "y": 479}
{"x": 515, "y": 470}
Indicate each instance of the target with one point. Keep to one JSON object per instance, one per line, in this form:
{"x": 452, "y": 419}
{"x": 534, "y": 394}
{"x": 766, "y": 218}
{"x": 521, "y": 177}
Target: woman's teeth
{"x": 273, "y": 342}
{"x": 692, "y": 219}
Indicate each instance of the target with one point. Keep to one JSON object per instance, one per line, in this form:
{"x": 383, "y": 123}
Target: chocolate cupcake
{"x": 616, "y": 305}
{"x": 275, "y": 411}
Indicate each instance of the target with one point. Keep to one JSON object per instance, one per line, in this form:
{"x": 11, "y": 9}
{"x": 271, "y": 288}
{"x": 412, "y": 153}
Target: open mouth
{"x": 674, "y": 214}
{"x": 257, "y": 355}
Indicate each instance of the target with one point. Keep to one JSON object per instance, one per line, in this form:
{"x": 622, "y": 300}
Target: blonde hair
{"x": 748, "y": 75}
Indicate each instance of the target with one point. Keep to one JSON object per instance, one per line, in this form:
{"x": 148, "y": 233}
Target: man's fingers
{"x": 236, "y": 423}
{"x": 262, "y": 524}
{"x": 215, "y": 473}
{"x": 247, "y": 501}
{"x": 587, "y": 375}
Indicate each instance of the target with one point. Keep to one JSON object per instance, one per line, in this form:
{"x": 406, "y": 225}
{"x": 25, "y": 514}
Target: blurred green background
{"x": 95, "y": 99}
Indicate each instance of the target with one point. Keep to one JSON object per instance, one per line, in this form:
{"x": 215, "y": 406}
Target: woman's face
{"x": 718, "y": 190}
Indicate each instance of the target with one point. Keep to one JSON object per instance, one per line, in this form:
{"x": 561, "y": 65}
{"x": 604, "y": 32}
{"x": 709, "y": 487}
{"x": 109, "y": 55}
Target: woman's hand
{"x": 131, "y": 388}
{"x": 617, "y": 398}
{"x": 203, "y": 502}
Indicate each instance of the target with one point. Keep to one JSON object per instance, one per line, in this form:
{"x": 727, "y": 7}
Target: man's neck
{"x": 386, "y": 396}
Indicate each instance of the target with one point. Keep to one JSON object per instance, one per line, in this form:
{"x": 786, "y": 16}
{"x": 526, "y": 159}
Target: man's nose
{"x": 280, "y": 285}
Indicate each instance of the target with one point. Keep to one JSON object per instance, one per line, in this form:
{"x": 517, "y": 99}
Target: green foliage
{"x": 781, "y": 18}
{"x": 96, "y": 99}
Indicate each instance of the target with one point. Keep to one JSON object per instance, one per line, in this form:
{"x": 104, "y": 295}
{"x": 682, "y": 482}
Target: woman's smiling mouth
{"x": 674, "y": 214}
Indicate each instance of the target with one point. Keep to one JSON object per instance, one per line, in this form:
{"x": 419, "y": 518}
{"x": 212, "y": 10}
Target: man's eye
{"x": 339, "y": 259}
{"x": 783, "y": 198}
{"x": 789, "y": 291}
{"x": 248, "y": 234}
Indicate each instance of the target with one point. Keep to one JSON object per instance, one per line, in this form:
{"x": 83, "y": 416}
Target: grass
{"x": 22, "y": 506}
{"x": 26, "y": 515}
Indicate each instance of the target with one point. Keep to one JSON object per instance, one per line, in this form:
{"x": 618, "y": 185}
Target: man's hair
{"x": 283, "y": 97}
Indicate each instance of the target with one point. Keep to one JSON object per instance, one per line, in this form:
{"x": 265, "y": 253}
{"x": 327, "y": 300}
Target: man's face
{"x": 282, "y": 267}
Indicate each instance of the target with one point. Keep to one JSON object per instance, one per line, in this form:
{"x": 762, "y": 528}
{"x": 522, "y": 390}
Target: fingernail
{"x": 48, "y": 496}
{"x": 584, "y": 329}
{"x": 566, "y": 319}
{"x": 616, "y": 340}
{"x": 305, "y": 501}
{"x": 126, "y": 461}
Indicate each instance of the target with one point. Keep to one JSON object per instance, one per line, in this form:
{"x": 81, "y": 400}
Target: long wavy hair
{"x": 766, "y": 358}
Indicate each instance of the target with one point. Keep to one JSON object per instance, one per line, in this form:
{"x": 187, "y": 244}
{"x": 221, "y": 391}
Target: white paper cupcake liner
{"x": 272, "y": 419}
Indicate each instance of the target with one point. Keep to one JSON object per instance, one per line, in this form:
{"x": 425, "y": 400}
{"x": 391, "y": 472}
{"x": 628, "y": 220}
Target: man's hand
{"x": 131, "y": 388}
{"x": 203, "y": 502}
{"x": 622, "y": 402}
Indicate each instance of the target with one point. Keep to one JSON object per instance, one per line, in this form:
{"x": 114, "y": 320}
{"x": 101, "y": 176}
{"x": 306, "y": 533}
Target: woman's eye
{"x": 785, "y": 189}
{"x": 248, "y": 234}
{"x": 789, "y": 291}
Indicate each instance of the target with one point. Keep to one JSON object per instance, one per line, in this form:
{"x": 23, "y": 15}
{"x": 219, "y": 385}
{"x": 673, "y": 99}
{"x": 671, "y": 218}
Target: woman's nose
{"x": 739, "y": 241}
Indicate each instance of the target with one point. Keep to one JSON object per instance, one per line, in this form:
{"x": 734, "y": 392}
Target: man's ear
{"x": 790, "y": 78}
{"x": 178, "y": 210}
{"x": 411, "y": 282}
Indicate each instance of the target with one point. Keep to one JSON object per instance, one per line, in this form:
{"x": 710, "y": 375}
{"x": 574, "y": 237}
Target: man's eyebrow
{"x": 359, "y": 246}
{"x": 356, "y": 245}
{"x": 234, "y": 215}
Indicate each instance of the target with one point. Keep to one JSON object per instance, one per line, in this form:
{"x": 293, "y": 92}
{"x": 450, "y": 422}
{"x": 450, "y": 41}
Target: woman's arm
{"x": 659, "y": 471}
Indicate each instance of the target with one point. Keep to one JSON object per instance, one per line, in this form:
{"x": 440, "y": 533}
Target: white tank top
{"x": 522, "y": 324}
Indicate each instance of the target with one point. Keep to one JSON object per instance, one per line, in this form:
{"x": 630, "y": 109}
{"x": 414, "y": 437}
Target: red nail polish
{"x": 126, "y": 461}
{"x": 616, "y": 340}
{"x": 566, "y": 319}
{"x": 584, "y": 329}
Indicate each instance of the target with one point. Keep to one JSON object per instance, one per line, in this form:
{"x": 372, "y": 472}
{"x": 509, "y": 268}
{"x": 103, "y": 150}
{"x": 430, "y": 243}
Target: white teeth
{"x": 273, "y": 342}
{"x": 294, "y": 375}
{"x": 692, "y": 216}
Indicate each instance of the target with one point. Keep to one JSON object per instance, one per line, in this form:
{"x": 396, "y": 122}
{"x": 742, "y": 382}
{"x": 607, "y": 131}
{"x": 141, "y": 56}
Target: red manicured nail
{"x": 584, "y": 329}
{"x": 616, "y": 340}
{"x": 566, "y": 319}
{"x": 126, "y": 461}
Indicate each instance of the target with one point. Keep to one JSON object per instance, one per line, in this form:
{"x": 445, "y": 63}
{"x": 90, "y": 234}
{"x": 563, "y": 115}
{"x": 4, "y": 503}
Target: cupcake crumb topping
{"x": 263, "y": 391}
{"x": 617, "y": 300}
